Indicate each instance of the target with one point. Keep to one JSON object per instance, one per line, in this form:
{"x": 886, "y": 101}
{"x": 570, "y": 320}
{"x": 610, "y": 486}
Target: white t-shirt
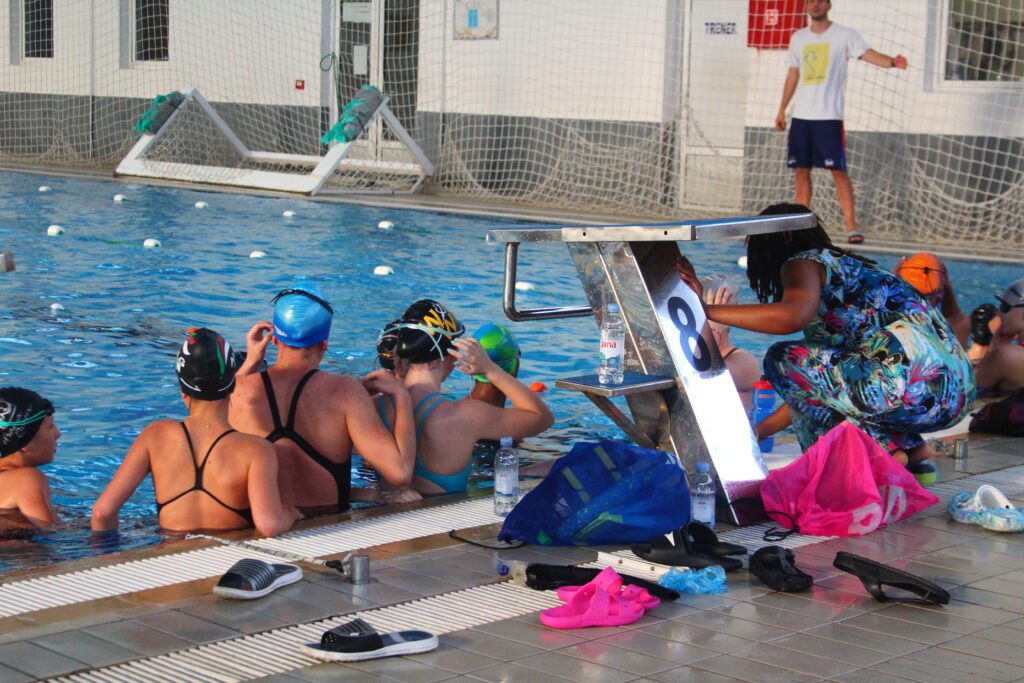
{"x": 821, "y": 58}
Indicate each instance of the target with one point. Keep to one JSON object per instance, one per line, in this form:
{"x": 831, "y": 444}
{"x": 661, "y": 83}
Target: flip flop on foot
{"x": 988, "y": 508}
{"x": 855, "y": 237}
{"x": 874, "y": 575}
{"x": 250, "y": 579}
{"x": 776, "y": 567}
{"x": 357, "y": 641}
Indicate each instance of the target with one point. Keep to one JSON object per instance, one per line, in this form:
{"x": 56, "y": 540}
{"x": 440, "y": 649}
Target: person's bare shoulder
{"x": 158, "y": 430}
{"x": 339, "y": 389}
{"x": 27, "y": 481}
{"x": 252, "y": 446}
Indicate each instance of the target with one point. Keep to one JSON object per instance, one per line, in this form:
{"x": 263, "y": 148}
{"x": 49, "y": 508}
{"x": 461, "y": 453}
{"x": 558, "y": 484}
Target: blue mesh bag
{"x": 606, "y": 493}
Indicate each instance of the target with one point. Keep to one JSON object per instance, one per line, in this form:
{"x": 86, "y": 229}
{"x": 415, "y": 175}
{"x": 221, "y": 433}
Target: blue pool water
{"x": 107, "y": 359}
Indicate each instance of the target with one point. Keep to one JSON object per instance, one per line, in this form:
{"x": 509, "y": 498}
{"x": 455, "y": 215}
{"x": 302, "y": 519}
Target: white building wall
{"x": 574, "y": 59}
{"x": 239, "y": 51}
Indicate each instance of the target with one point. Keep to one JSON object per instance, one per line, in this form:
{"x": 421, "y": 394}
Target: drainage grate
{"x": 277, "y": 651}
{"x": 30, "y": 595}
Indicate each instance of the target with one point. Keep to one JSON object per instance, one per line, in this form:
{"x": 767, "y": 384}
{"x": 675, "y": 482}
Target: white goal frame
{"x": 135, "y": 165}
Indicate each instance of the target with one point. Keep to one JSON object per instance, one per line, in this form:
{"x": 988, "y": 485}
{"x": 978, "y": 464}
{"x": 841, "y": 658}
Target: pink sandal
{"x": 611, "y": 582}
{"x": 592, "y": 606}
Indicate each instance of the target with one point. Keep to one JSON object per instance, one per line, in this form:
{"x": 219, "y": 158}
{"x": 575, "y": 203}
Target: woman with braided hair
{"x": 874, "y": 352}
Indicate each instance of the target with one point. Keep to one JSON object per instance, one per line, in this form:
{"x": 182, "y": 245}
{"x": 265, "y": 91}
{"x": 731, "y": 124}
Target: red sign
{"x": 772, "y": 22}
{"x": 300, "y": 84}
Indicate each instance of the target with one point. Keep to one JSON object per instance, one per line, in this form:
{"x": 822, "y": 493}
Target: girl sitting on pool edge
{"x": 28, "y": 440}
{"x": 206, "y": 475}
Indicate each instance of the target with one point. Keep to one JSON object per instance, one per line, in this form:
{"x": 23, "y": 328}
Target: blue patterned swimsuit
{"x": 875, "y": 354}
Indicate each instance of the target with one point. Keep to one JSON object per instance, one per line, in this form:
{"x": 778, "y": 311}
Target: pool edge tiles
{"x": 131, "y": 576}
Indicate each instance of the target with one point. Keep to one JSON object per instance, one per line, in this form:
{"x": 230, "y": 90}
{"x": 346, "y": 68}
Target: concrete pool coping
{"x": 748, "y": 633}
{"x": 461, "y": 206}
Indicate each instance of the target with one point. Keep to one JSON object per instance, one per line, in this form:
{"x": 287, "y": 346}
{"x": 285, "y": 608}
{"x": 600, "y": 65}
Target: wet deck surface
{"x": 835, "y": 632}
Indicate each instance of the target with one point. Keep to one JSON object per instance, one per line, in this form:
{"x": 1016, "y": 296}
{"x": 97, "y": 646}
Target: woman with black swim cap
{"x": 206, "y": 475}
{"x": 426, "y": 351}
{"x": 28, "y": 440}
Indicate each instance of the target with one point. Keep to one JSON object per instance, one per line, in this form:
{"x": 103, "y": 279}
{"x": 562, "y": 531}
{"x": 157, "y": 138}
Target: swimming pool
{"x": 107, "y": 359}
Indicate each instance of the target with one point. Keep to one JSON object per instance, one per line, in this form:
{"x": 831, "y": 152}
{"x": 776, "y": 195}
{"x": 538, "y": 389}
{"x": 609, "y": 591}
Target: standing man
{"x": 817, "y": 63}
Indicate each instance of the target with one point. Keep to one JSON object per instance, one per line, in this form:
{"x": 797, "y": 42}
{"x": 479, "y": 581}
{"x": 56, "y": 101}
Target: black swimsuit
{"x": 341, "y": 472}
{"x": 244, "y": 513}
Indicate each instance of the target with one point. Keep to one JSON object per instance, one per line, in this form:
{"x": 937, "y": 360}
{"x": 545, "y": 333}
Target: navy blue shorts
{"x": 818, "y": 144}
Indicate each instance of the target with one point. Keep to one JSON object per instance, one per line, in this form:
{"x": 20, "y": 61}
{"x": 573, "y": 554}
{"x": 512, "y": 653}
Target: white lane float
{"x": 288, "y": 214}
{"x": 55, "y": 230}
{"x": 383, "y": 270}
{"x": 742, "y": 262}
{"x": 44, "y": 188}
{"x": 386, "y": 225}
{"x": 56, "y": 307}
{"x": 258, "y": 254}
{"x": 525, "y": 286}
{"x": 118, "y": 198}
{"x": 201, "y": 205}
{"x": 151, "y": 243}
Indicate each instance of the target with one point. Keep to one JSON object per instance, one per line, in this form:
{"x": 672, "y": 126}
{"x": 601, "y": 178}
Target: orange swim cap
{"x": 926, "y": 273}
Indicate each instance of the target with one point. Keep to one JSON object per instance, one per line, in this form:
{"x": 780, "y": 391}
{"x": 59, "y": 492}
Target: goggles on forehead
{"x": 302, "y": 292}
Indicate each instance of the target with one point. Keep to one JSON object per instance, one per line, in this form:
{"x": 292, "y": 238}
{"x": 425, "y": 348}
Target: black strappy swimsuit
{"x": 244, "y": 513}
{"x": 341, "y": 472}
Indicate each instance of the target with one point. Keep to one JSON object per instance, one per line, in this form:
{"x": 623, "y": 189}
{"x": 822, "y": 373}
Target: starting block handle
{"x": 509, "y": 301}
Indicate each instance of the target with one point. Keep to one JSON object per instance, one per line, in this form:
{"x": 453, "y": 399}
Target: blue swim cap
{"x": 302, "y": 317}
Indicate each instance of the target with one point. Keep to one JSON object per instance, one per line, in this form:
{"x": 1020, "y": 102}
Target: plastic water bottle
{"x": 506, "y": 478}
{"x": 763, "y": 404}
{"x": 613, "y": 346}
{"x": 702, "y": 496}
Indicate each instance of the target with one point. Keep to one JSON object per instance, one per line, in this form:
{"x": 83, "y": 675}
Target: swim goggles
{"x": 308, "y": 295}
{"x": 38, "y": 417}
{"x": 1005, "y": 307}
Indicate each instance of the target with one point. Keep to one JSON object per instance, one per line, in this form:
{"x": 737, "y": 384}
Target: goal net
{"x": 649, "y": 109}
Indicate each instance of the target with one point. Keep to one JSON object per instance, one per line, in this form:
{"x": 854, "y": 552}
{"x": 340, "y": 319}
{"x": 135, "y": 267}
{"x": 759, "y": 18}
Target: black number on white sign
{"x": 689, "y": 335}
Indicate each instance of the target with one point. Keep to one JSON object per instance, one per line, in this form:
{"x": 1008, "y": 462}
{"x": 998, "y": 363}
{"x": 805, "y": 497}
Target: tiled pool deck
{"x": 834, "y": 632}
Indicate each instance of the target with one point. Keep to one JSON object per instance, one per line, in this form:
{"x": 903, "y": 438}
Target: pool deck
{"x": 490, "y": 631}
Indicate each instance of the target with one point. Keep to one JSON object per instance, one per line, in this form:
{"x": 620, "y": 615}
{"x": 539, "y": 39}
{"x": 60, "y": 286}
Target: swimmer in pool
{"x": 28, "y": 440}
{"x": 427, "y": 350}
{"x": 206, "y": 475}
{"x": 315, "y": 418}
{"x": 1002, "y": 368}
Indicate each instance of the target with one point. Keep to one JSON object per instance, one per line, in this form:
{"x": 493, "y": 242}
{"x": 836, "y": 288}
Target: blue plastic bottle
{"x": 763, "y": 404}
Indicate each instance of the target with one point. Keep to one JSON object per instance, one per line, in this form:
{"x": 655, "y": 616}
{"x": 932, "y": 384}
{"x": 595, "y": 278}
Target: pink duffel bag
{"x": 844, "y": 485}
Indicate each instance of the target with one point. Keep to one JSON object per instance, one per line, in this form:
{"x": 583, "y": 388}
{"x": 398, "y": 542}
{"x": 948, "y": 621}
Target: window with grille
{"x": 152, "y": 22}
{"x": 984, "y": 40}
{"x": 38, "y": 18}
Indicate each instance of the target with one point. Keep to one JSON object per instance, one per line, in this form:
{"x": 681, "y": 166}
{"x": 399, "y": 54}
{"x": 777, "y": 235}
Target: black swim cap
{"x": 386, "y": 343}
{"x": 21, "y": 415}
{"x": 206, "y": 365}
{"x": 980, "y": 318}
{"x": 426, "y": 332}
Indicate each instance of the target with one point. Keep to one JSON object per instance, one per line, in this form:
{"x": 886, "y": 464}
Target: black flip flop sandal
{"x": 874, "y": 575}
{"x": 249, "y": 579}
{"x": 775, "y": 566}
{"x": 660, "y": 551}
{"x": 357, "y": 641}
{"x": 702, "y": 540}
{"x": 547, "y": 577}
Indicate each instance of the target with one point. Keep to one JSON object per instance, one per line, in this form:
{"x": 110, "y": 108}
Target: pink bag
{"x": 844, "y": 485}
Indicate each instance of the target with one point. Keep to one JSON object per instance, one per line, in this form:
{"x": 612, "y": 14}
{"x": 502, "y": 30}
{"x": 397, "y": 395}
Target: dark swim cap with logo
{"x": 386, "y": 343}
{"x": 206, "y": 365}
{"x": 21, "y": 415}
{"x": 426, "y": 332}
